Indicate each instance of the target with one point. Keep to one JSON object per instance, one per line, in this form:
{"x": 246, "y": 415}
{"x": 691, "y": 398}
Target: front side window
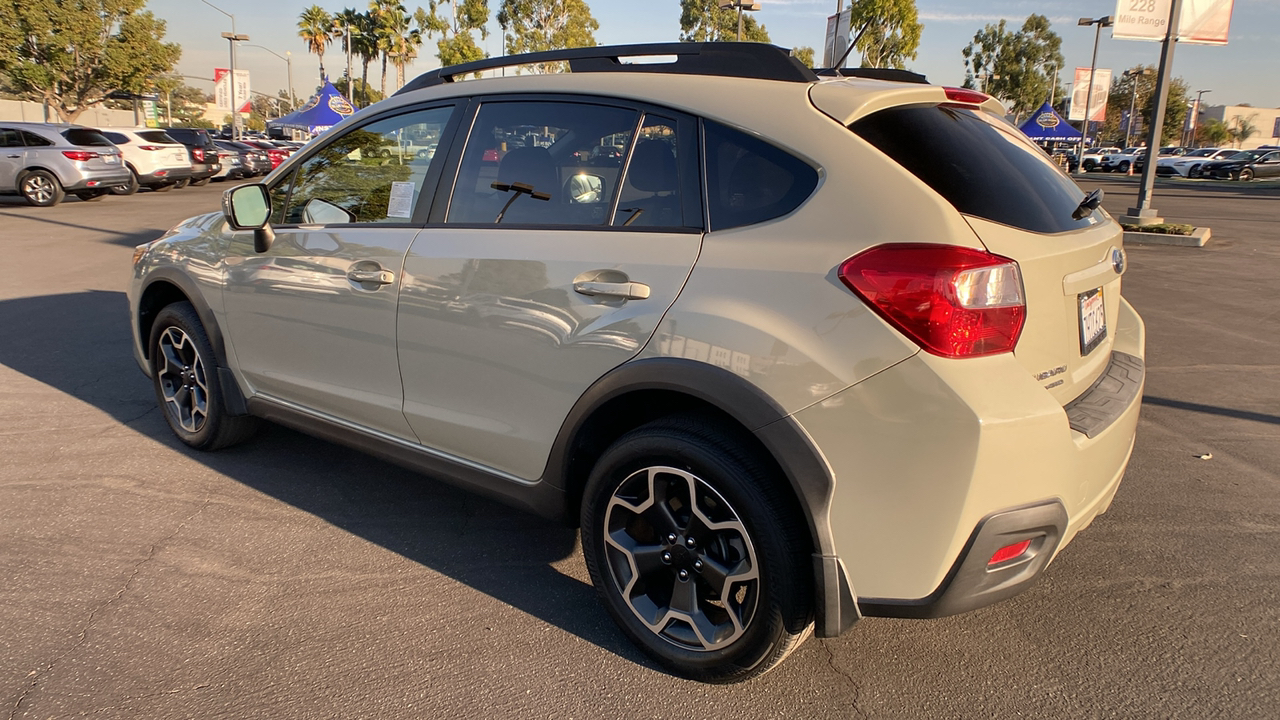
{"x": 374, "y": 173}
{"x": 542, "y": 163}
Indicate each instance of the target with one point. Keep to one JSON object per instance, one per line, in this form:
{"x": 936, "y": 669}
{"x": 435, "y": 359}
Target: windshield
{"x": 1246, "y": 155}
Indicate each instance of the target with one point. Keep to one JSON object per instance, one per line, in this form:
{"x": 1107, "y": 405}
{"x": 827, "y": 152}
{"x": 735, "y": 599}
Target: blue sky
{"x": 1245, "y": 71}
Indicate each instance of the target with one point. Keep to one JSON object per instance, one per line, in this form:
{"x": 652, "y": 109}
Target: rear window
{"x": 981, "y": 164}
{"x": 156, "y": 136}
{"x": 85, "y": 137}
{"x": 750, "y": 181}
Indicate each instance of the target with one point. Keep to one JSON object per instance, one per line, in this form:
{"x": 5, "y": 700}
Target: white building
{"x": 1267, "y": 120}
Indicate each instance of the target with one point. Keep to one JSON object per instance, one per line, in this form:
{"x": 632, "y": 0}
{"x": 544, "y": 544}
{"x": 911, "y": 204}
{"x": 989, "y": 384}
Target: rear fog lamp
{"x": 92, "y": 183}
{"x": 1009, "y": 552}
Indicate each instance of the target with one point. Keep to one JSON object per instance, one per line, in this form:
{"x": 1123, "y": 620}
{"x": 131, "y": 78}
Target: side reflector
{"x": 1009, "y": 552}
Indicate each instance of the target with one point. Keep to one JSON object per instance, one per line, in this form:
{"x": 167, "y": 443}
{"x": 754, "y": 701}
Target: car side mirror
{"x": 248, "y": 207}
{"x": 584, "y": 188}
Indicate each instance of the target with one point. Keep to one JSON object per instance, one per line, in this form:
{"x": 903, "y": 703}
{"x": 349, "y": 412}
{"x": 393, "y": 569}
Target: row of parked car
{"x": 1209, "y": 163}
{"x": 43, "y": 162}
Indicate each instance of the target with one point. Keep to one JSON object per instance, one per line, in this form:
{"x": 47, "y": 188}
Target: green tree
{"x": 457, "y": 43}
{"x": 706, "y": 21}
{"x": 1018, "y": 68}
{"x": 390, "y": 25}
{"x": 1213, "y": 133}
{"x": 314, "y": 25}
{"x": 1142, "y": 80}
{"x": 358, "y": 92}
{"x": 1242, "y": 128}
{"x": 886, "y": 32}
{"x": 541, "y": 25}
{"x": 804, "y": 54}
{"x": 71, "y": 55}
{"x": 184, "y": 104}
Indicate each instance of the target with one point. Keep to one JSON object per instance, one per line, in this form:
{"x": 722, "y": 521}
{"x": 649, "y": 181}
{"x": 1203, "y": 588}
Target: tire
{"x": 41, "y": 188}
{"x": 201, "y": 181}
{"x": 1124, "y": 167}
{"x": 181, "y": 183}
{"x": 1246, "y": 175}
{"x": 163, "y": 187}
{"x": 1089, "y": 165}
{"x": 188, "y": 389}
{"x": 128, "y": 188}
{"x": 92, "y": 195}
{"x": 1194, "y": 172}
{"x": 759, "y": 538}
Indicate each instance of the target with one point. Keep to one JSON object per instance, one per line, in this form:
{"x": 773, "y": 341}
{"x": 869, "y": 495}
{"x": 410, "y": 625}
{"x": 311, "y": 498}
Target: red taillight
{"x": 968, "y": 97}
{"x": 151, "y": 147}
{"x": 80, "y": 155}
{"x": 198, "y": 154}
{"x": 1009, "y": 552}
{"x": 952, "y": 301}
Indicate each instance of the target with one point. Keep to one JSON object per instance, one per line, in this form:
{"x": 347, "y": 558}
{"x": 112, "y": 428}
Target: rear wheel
{"x": 697, "y": 552}
{"x": 201, "y": 181}
{"x": 41, "y": 188}
{"x": 184, "y": 372}
{"x": 128, "y": 188}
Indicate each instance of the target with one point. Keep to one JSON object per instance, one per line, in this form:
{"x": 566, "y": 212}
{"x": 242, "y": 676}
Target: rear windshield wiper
{"x": 1088, "y": 205}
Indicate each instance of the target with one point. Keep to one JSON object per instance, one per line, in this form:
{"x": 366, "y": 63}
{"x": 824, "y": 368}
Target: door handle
{"x": 625, "y": 290}
{"x": 378, "y": 277}
{"x": 15, "y": 156}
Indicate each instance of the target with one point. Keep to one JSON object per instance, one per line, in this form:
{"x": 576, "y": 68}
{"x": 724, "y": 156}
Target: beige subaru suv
{"x": 791, "y": 349}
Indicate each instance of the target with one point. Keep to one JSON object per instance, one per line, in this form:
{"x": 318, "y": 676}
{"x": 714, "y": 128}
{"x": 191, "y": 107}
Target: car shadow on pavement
{"x": 507, "y": 554}
{"x": 115, "y": 237}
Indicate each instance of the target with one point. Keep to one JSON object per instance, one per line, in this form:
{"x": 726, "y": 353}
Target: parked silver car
{"x": 44, "y": 161}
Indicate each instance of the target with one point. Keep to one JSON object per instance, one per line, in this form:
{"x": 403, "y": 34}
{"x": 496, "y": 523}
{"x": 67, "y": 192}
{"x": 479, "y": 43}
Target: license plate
{"x": 1093, "y": 320}
{"x": 110, "y": 159}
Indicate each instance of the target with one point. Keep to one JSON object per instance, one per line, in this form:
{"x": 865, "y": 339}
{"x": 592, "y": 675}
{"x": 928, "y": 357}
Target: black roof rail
{"x": 892, "y": 74}
{"x": 725, "y": 59}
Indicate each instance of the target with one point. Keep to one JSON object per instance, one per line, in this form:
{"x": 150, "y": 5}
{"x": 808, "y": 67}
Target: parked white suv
{"x": 804, "y": 350}
{"x": 155, "y": 160}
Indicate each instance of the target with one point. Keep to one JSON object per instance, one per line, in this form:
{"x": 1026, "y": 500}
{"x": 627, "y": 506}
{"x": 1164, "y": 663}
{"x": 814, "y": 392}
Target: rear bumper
{"x": 161, "y": 176}
{"x": 96, "y": 179}
{"x": 938, "y": 462}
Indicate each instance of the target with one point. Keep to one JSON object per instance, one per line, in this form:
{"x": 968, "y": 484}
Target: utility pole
{"x": 1195, "y": 116}
{"x": 1144, "y": 214}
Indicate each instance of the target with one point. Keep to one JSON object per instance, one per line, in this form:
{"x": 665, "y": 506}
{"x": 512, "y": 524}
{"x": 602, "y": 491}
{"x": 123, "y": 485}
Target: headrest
{"x": 653, "y": 167}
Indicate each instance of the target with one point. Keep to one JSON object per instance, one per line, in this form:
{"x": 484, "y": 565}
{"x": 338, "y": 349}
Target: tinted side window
{"x": 117, "y": 138}
{"x": 651, "y": 189}
{"x": 568, "y": 154}
{"x": 371, "y": 174}
{"x": 34, "y": 140}
{"x": 981, "y": 164}
{"x": 750, "y": 181}
{"x": 156, "y": 136}
{"x": 10, "y": 138}
{"x": 85, "y": 137}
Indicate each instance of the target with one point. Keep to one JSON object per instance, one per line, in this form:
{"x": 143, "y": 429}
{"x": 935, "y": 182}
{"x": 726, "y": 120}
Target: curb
{"x": 1198, "y": 238}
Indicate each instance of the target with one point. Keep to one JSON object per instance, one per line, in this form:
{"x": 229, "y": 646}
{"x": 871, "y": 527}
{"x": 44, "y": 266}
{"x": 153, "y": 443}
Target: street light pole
{"x": 288, "y": 58}
{"x": 1195, "y": 118}
{"x": 1133, "y": 100}
{"x": 1101, "y": 22}
{"x": 231, "y": 38}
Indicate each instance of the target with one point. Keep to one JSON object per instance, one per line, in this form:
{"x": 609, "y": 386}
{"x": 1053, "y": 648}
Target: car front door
{"x": 312, "y": 321}
{"x": 570, "y": 230}
{"x": 1269, "y": 165}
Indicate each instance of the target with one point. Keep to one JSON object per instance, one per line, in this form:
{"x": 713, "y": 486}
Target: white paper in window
{"x": 401, "y": 203}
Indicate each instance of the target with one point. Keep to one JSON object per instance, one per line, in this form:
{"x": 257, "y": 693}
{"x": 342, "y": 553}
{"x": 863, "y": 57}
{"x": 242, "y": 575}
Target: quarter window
{"x": 542, "y": 163}
{"x": 34, "y": 140}
{"x": 10, "y": 138}
{"x": 371, "y": 174}
{"x": 750, "y": 181}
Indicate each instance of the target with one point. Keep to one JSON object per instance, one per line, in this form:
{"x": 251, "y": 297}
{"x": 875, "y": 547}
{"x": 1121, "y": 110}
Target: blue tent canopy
{"x": 1045, "y": 125}
{"x": 324, "y": 110}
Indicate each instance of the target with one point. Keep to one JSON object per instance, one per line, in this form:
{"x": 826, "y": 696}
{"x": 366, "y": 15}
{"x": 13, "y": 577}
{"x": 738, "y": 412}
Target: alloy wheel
{"x": 681, "y": 559}
{"x": 183, "y": 382}
{"x": 39, "y": 188}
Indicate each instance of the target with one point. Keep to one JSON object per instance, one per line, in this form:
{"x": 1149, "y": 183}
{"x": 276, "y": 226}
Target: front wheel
{"x": 1246, "y": 175}
{"x": 697, "y": 550}
{"x": 185, "y": 375}
{"x": 181, "y": 183}
{"x": 1124, "y": 167}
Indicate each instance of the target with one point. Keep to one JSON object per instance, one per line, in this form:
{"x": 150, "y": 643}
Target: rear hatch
{"x": 1021, "y": 206}
{"x": 96, "y": 151}
{"x": 171, "y": 153}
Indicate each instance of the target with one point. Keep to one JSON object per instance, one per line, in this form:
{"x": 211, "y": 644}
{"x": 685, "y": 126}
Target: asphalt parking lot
{"x": 290, "y": 578}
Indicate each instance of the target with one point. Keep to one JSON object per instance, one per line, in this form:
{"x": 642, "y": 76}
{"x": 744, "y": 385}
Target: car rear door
{"x": 550, "y": 265}
{"x": 11, "y": 150}
{"x": 312, "y": 321}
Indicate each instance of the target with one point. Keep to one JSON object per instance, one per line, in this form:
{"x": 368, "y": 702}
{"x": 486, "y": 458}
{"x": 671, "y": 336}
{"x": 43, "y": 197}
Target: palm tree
{"x": 345, "y": 27}
{"x": 365, "y": 42}
{"x": 314, "y": 25}
{"x": 404, "y": 44}
{"x": 383, "y": 13}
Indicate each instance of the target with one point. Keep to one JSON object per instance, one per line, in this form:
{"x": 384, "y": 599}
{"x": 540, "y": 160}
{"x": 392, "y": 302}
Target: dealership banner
{"x": 837, "y": 37}
{"x": 1203, "y": 22}
{"x": 1101, "y": 89}
{"x": 222, "y": 89}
